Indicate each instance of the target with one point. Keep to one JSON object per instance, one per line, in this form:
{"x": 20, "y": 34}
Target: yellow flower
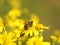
{"x": 17, "y": 32}
{"x": 15, "y": 23}
{"x": 7, "y": 38}
{"x": 53, "y": 38}
{"x": 14, "y": 13}
{"x": 14, "y": 3}
{"x": 31, "y": 31}
{"x": 12, "y": 18}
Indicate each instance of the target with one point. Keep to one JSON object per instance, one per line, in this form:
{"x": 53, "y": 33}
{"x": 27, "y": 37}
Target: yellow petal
{"x": 36, "y": 33}
{"x": 12, "y": 44}
{"x": 46, "y": 43}
{"x": 31, "y": 41}
{"x": 1, "y": 41}
{"x": 37, "y": 42}
{"x": 31, "y": 33}
{"x": 4, "y": 35}
{"x": 58, "y": 40}
{"x": 10, "y": 35}
{"x": 1, "y": 28}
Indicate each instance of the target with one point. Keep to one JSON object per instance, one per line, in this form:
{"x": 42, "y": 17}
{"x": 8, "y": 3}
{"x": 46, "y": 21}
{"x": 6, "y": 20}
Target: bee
{"x": 28, "y": 24}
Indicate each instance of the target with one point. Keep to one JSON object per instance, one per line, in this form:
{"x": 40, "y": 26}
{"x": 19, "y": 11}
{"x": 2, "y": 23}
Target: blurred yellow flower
{"x": 12, "y": 18}
{"x": 14, "y": 13}
{"x": 7, "y": 38}
{"x": 58, "y": 40}
{"x": 53, "y": 39}
{"x": 14, "y": 3}
{"x": 15, "y": 23}
{"x": 57, "y": 33}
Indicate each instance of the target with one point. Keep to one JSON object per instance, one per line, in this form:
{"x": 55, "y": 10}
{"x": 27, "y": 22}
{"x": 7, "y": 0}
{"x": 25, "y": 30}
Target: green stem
{"x": 52, "y": 43}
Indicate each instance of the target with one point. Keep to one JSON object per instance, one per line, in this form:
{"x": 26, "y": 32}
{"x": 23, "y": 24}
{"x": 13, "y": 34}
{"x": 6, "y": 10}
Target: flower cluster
{"x": 15, "y": 31}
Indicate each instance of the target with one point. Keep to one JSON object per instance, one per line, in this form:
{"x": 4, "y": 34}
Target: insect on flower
{"x": 28, "y": 24}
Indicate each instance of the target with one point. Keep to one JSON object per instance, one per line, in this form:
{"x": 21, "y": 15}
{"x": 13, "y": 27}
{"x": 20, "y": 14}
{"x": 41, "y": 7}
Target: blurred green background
{"x": 47, "y": 10}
